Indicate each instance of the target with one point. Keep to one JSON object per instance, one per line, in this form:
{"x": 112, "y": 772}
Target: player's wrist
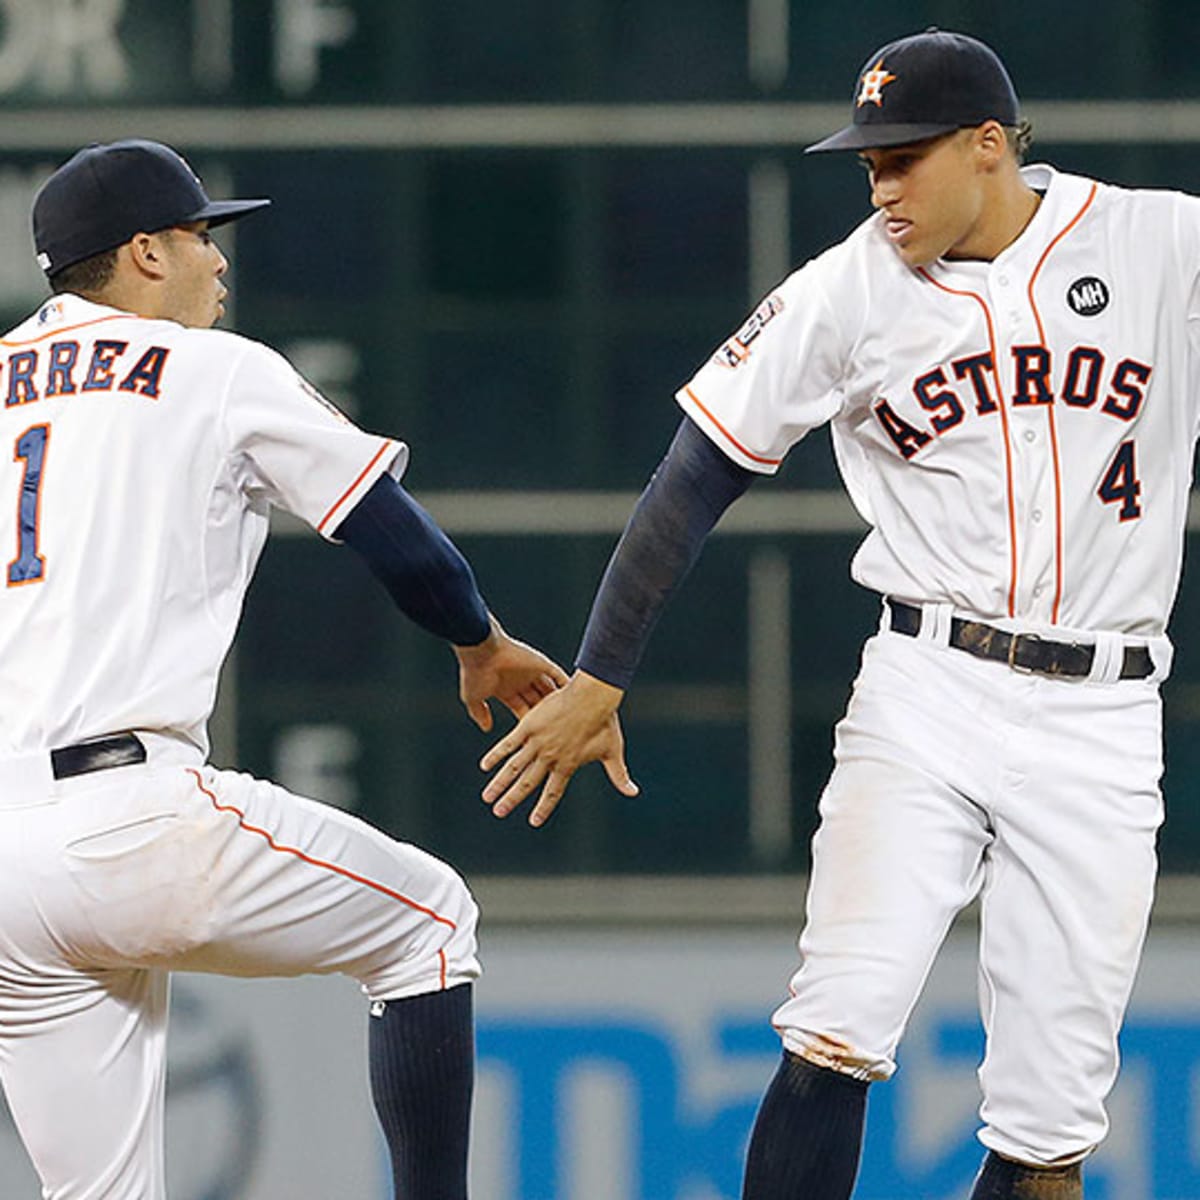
{"x": 491, "y": 642}
{"x": 599, "y": 694}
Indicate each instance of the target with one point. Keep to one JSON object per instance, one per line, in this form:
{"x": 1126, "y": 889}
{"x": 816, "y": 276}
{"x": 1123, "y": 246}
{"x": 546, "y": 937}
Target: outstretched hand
{"x": 577, "y": 724}
{"x": 502, "y": 668}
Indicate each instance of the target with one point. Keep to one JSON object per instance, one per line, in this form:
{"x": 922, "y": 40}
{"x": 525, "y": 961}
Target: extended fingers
{"x": 514, "y": 739}
{"x": 552, "y": 793}
{"x": 618, "y": 775}
{"x": 517, "y": 761}
{"x": 514, "y": 782}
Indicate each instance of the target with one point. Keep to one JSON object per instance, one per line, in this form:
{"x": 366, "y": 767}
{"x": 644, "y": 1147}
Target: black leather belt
{"x": 119, "y": 750}
{"x": 1022, "y": 651}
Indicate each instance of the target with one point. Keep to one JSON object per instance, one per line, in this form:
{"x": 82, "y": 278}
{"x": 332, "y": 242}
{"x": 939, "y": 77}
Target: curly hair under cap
{"x": 1020, "y": 138}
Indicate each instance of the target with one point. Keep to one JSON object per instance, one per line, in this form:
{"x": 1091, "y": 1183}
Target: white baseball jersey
{"x": 142, "y": 460}
{"x": 1015, "y": 432}
{"x": 159, "y": 448}
{"x": 1018, "y": 435}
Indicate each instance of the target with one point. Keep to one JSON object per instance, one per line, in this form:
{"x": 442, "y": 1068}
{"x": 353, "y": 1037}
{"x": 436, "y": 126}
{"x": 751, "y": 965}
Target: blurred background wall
{"x": 507, "y": 232}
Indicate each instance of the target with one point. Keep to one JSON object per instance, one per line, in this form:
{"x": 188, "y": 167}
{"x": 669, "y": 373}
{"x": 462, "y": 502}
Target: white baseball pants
{"x": 956, "y": 777}
{"x": 109, "y": 881}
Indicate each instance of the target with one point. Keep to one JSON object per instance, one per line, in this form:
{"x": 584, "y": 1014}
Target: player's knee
{"x": 437, "y": 888}
{"x": 468, "y": 914}
{"x": 456, "y": 900}
{"x": 453, "y": 934}
{"x": 434, "y": 944}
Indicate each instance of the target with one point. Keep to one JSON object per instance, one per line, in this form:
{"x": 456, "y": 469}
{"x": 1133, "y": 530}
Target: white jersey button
{"x": 1030, "y": 436}
{"x": 1036, "y": 515}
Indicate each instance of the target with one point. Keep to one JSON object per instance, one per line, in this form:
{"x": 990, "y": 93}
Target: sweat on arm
{"x": 422, "y": 569}
{"x": 689, "y": 490}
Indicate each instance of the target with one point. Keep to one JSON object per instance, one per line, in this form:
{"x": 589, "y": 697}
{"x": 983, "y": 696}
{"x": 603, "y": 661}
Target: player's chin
{"x": 916, "y": 253}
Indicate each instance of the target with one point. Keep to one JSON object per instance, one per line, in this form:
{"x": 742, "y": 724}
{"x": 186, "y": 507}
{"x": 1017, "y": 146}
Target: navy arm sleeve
{"x": 422, "y": 569}
{"x": 692, "y": 486}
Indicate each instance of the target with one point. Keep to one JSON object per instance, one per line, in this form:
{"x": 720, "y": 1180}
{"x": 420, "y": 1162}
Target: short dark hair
{"x": 87, "y": 277}
{"x": 1020, "y": 137}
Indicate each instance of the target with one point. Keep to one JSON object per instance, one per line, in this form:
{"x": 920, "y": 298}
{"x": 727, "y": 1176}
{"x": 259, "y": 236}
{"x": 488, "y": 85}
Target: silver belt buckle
{"x": 1012, "y": 652}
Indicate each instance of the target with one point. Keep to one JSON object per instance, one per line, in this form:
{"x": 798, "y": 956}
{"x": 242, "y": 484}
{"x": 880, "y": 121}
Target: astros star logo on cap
{"x": 873, "y": 83}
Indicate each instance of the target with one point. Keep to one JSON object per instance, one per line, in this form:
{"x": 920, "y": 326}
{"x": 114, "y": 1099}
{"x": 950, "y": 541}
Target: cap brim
{"x": 873, "y": 136}
{"x": 219, "y": 212}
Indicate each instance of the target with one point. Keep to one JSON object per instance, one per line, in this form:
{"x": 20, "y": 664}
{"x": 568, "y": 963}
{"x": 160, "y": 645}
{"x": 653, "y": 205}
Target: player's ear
{"x": 991, "y": 143}
{"x": 146, "y": 254}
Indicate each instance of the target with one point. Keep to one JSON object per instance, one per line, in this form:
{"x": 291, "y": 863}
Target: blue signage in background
{"x": 638, "y": 1086}
{"x": 673, "y": 1150}
{"x": 669, "y": 1147}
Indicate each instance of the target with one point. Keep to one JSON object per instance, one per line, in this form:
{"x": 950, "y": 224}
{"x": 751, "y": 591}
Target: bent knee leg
{"x": 433, "y": 944}
{"x": 850, "y": 1029}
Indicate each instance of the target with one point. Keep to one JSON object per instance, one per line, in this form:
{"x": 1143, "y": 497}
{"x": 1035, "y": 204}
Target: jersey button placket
{"x": 1034, "y": 479}
{"x": 1032, "y": 476}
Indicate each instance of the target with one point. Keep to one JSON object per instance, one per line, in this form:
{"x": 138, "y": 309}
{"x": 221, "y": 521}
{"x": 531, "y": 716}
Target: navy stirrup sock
{"x": 422, "y": 1063}
{"x": 1002, "y": 1179}
{"x": 807, "y": 1137}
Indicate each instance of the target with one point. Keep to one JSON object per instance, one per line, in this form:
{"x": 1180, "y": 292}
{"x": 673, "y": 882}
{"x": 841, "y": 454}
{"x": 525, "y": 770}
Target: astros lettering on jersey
{"x": 998, "y": 424}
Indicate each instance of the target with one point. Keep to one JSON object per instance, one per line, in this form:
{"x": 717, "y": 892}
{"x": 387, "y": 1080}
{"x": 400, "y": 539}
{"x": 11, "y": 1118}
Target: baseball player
{"x": 143, "y": 453}
{"x": 1007, "y": 359}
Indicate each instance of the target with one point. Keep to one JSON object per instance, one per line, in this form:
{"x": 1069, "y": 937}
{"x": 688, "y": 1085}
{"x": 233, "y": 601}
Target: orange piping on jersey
{"x": 1058, "y": 507}
{"x": 1008, "y": 469}
{"x": 361, "y": 476}
{"x": 317, "y": 862}
{"x": 770, "y": 462}
{"x": 41, "y": 337}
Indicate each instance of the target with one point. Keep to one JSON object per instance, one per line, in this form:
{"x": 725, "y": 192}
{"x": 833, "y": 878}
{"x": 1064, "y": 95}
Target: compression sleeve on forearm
{"x": 422, "y": 569}
{"x": 692, "y": 486}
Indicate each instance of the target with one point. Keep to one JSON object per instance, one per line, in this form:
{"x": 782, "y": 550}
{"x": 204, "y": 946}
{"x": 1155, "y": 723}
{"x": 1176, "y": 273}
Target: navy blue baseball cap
{"x": 104, "y": 194}
{"x": 924, "y": 85}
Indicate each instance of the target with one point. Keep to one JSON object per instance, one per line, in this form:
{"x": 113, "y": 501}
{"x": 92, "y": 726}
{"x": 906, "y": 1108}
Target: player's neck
{"x": 1006, "y": 216}
{"x": 130, "y": 297}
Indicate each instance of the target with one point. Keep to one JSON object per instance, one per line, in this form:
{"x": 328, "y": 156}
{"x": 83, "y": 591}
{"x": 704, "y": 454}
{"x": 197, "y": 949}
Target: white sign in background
{"x": 626, "y": 1065}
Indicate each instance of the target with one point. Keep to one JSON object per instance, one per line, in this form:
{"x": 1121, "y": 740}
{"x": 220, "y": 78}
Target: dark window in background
{"x": 496, "y": 225}
{"x": 676, "y": 226}
{"x": 503, "y": 409}
{"x": 336, "y": 233}
{"x": 482, "y": 51}
{"x": 659, "y": 50}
